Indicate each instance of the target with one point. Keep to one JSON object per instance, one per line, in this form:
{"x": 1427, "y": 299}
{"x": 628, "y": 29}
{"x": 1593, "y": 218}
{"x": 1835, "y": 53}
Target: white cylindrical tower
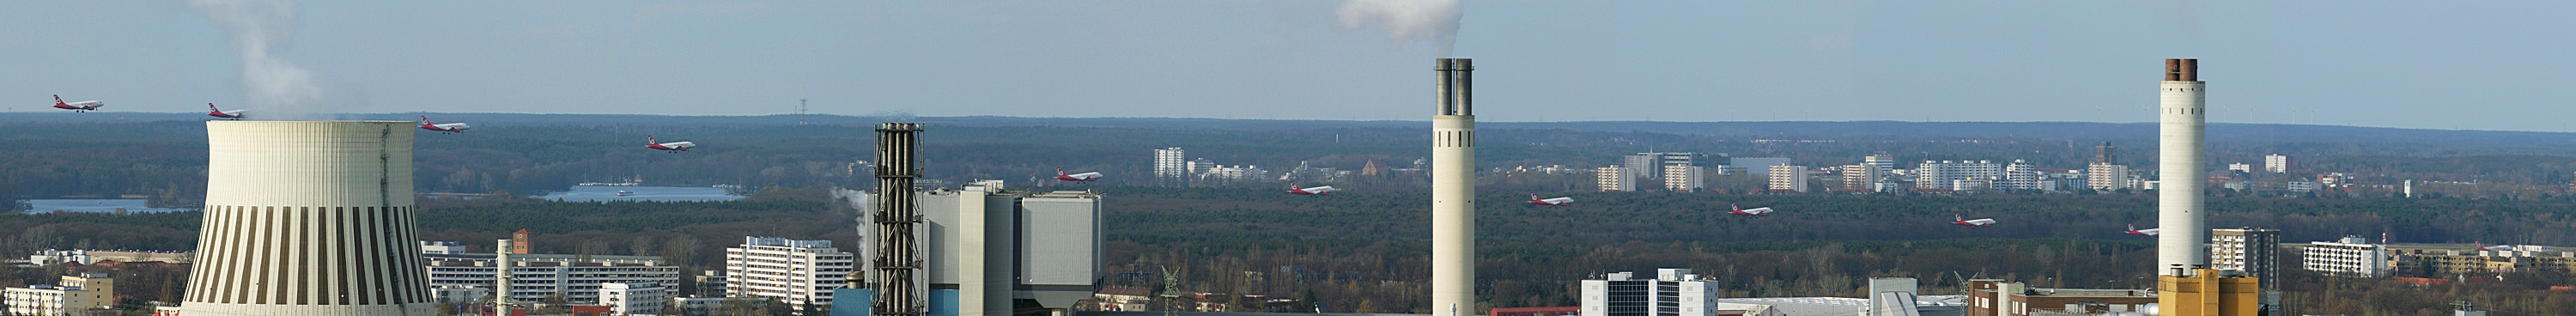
{"x": 1453, "y": 192}
{"x": 308, "y": 218}
{"x": 2179, "y": 178}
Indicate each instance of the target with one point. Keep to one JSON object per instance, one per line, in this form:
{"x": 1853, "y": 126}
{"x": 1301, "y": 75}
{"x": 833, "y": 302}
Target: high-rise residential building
{"x": 2106, "y": 177}
{"x": 308, "y": 218}
{"x": 536, "y": 277}
{"x": 1649, "y": 167}
{"x": 2020, "y": 175}
{"x": 799, "y": 273}
{"x": 1946, "y": 174}
{"x": 2255, "y": 251}
{"x": 995, "y": 246}
{"x": 2106, "y": 155}
{"x": 1788, "y": 178}
{"x": 2349, "y": 257}
{"x": 1673, "y": 292}
{"x": 1678, "y": 178}
{"x": 78, "y": 294}
{"x": 1613, "y": 179}
{"x": 1171, "y": 169}
{"x": 1862, "y": 177}
{"x": 1758, "y": 165}
{"x": 2276, "y": 163}
{"x": 641, "y": 298}
{"x": 1886, "y": 163}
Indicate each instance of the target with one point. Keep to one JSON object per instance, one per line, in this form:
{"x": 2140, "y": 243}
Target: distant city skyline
{"x": 2476, "y": 66}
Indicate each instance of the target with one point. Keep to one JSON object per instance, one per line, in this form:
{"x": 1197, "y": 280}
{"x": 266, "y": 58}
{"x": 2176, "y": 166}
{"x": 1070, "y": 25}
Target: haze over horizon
{"x": 2456, "y": 66}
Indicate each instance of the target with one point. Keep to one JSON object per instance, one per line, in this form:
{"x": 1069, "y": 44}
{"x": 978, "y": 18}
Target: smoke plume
{"x": 1404, "y": 21}
{"x": 277, "y": 89}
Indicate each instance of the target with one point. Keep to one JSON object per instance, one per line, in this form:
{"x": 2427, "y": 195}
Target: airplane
{"x": 1560, "y": 201}
{"x": 2133, "y": 230}
{"x": 1078, "y": 177}
{"x": 82, "y": 106}
{"x": 670, "y": 146}
{"x": 233, "y": 114}
{"x": 1981, "y": 222}
{"x": 1739, "y": 210}
{"x": 1322, "y": 190}
{"x": 444, "y": 128}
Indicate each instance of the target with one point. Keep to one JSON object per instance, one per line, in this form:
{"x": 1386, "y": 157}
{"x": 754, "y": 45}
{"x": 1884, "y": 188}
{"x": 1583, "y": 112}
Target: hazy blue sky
{"x": 2494, "y": 65}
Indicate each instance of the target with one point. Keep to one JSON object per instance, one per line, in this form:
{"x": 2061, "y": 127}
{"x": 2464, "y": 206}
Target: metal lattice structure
{"x": 899, "y": 288}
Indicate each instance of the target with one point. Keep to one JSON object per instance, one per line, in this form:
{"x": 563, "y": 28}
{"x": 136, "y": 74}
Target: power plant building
{"x": 988, "y": 248}
{"x": 1672, "y": 292}
{"x": 308, "y": 218}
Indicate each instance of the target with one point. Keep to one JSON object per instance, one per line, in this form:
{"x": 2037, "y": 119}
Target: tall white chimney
{"x": 1453, "y": 192}
{"x": 2179, "y": 204}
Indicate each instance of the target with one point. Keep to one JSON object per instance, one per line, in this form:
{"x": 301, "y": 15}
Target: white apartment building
{"x": 534, "y": 277}
{"x": 1863, "y": 177}
{"x": 2300, "y": 186}
{"x": 1231, "y": 174}
{"x": 2351, "y": 257}
{"x": 75, "y": 295}
{"x": 2019, "y": 175}
{"x": 1946, "y": 173}
{"x": 642, "y": 298}
{"x": 2276, "y": 163}
{"x": 1673, "y": 292}
{"x": 1678, "y": 178}
{"x": 2240, "y": 167}
{"x": 795, "y": 272}
{"x": 2255, "y": 251}
{"x": 2106, "y": 177}
{"x": 1171, "y": 168}
{"x": 1613, "y": 179}
{"x": 1788, "y": 178}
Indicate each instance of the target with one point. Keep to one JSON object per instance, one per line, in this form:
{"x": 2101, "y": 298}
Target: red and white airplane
{"x": 670, "y": 146}
{"x": 443, "y": 128}
{"x": 2133, "y": 230}
{"x": 82, "y": 106}
{"x": 233, "y": 114}
{"x": 1739, "y": 210}
{"x": 1558, "y": 201}
{"x": 1078, "y": 177}
{"x": 1981, "y": 222}
{"x": 1322, "y": 190}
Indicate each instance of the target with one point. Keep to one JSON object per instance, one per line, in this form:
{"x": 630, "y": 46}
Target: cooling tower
{"x": 1453, "y": 192}
{"x": 308, "y": 218}
{"x": 2179, "y": 178}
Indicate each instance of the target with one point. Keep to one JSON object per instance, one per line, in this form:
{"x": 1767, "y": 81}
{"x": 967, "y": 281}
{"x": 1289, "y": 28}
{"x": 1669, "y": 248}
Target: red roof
{"x": 1535, "y": 311}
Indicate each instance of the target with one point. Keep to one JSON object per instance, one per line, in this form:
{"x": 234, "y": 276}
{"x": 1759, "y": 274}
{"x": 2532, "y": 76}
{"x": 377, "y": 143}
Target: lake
{"x": 609, "y": 193}
{"x": 95, "y": 205}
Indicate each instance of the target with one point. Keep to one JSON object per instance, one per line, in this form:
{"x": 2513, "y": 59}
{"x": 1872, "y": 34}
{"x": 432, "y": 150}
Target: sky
{"x": 2481, "y": 65}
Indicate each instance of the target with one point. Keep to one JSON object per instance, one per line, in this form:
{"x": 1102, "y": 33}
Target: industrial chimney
{"x": 1453, "y": 192}
{"x": 308, "y": 218}
{"x": 2179, "y": 178}
{"x": 900, "y": 287}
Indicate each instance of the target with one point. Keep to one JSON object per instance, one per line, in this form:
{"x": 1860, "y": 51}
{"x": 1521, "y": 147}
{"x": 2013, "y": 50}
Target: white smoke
{"x": 1404, "y": 21}
{"x": 276, "y": 88}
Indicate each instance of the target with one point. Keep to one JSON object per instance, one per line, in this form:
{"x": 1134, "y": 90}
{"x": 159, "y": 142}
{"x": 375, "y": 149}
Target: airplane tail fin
{"x": 58, "y": 98}
{"x": 424, "y": 119}
{"x": 1059, "y": 171}
{"x": 1732, "y": 206}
